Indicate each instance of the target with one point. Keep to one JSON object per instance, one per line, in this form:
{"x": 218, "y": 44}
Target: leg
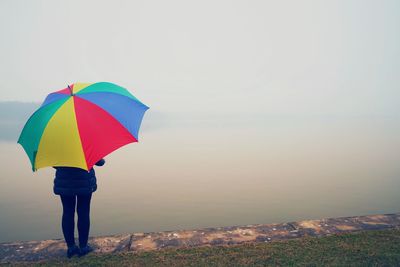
{"x": 68, "y": 219}
{"x": 83, "y": 209}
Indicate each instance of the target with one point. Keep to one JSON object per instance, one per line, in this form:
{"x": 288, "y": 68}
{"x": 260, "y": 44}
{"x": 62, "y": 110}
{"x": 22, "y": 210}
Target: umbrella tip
{"x": 70, "y": 90}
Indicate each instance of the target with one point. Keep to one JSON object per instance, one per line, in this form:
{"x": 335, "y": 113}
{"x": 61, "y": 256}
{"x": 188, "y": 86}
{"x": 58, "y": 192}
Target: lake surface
{"x": 191, "y": 171}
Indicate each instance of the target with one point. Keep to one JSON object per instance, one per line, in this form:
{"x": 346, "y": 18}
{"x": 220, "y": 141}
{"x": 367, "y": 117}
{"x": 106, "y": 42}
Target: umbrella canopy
{"x": 79, "y": 125}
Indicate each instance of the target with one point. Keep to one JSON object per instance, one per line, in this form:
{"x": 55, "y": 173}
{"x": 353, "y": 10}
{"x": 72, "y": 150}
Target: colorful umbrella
{"x": 79, "y": 125}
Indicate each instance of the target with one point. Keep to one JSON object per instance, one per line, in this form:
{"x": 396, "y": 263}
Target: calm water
{"x": 191, "y": 172}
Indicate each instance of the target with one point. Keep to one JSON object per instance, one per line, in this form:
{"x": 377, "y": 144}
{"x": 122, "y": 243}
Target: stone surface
{"x": 51, "y": 249}
{"x": 347, "y": 224}
{"x": 48, "y": 249}
{"x": 107, "y": 244}
{"x": 32, "y": 250}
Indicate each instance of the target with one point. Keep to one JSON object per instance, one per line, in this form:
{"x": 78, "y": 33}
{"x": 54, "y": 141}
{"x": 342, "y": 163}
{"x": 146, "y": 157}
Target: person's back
{"x": 75, "y": 187}
{"x": 74, "y": 181}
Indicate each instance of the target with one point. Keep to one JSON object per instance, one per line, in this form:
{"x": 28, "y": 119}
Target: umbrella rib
{"x": 106, "y": 111}
{"x": 39, "y": 138}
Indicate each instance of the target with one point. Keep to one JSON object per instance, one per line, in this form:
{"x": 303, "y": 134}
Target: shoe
{"x": 85, "y": 250}
{"x": 71, "y": 251}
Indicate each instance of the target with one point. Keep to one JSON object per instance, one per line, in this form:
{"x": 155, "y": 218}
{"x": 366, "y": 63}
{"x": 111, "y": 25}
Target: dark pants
{"x": 82, "y": 203}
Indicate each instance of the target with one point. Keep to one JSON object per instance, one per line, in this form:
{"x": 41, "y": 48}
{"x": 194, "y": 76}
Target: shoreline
{"x": 28, "y": 251}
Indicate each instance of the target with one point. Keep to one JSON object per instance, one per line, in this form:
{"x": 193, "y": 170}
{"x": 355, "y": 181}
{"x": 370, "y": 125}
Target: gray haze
{"x": 260, "y": 111}
{"x": 312, "y": 57}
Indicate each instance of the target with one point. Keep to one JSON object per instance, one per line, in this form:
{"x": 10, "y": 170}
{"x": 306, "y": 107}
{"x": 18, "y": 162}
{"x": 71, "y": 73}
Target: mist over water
{"x": 195, "y": 170}
{"x": 260, "y": 111}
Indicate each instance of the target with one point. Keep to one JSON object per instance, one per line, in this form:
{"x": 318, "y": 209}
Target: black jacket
{"x": 75, "y": 181}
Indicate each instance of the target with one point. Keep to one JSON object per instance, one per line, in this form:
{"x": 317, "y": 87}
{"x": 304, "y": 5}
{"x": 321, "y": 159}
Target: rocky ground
{"x": 28, "y": 251}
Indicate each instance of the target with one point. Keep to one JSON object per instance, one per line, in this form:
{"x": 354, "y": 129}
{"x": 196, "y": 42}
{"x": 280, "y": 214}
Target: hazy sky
{"x": 260, "y": 111}
{"x": 270, "y": 57}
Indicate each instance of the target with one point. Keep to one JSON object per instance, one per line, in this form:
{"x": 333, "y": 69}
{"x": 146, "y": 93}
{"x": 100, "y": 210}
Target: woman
{"x": 75, "y": 187}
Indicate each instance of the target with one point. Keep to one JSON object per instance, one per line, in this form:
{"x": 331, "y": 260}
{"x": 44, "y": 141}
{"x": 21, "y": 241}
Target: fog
{"x": 189, "y": 171}
{"x": 260, "y": 111}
